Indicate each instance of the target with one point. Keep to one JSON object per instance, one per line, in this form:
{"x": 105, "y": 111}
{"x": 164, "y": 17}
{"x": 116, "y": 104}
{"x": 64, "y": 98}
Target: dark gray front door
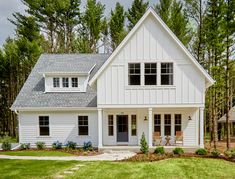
{"x": 122, "y": 128}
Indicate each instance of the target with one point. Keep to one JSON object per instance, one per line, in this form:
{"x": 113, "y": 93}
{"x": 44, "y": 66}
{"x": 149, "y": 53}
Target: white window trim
{"x": 88, "y": 135}
{"x": 38, "y": 127}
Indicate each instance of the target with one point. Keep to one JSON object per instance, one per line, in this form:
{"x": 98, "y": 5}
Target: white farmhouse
{"x": 150, "y": 84}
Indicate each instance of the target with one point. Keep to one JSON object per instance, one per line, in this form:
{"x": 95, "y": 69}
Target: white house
{"x": 150, "y": 84}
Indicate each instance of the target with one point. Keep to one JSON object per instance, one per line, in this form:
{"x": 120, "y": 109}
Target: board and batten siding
{"x": 150, "y": 43}
{"x": 63, "y": 127}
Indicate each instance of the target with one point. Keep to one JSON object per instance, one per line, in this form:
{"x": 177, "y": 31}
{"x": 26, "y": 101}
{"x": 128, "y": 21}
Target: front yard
{"x": 170, "y": 168}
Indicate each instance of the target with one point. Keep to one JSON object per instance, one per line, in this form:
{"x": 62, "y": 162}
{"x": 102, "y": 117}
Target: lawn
{"x": 171, "y": 168}
{"x": 36, "y": 153}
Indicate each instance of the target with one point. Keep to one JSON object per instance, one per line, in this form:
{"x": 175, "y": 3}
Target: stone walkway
{"x": 112, "y": 156}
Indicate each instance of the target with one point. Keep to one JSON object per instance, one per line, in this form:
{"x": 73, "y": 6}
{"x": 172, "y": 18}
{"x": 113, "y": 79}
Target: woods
{"x": 205, "y": 27}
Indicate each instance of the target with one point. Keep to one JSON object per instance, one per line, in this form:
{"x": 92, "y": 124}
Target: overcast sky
{"x": 7, "y": 7}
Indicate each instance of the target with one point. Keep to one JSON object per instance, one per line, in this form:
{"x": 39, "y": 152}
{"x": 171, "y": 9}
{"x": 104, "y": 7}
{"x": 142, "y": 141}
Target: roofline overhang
{"x": 28, "y": 109}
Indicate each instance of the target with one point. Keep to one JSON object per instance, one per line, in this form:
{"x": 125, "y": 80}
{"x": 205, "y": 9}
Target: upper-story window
{"x": 56, "y": 82}
{"x": 74, "y": 82}
{"x": 150, "y": 74}
{"x": 134, "y": 73}
{"x": 65, "y": 82}
{"x": 166, "y": 73}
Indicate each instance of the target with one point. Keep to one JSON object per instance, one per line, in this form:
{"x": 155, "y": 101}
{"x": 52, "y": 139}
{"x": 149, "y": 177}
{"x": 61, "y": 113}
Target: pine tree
{"x": 144, "y": 148}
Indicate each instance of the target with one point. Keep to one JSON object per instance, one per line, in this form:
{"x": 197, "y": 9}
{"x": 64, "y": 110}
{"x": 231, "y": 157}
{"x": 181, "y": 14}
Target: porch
{"x": 122, "y": 128}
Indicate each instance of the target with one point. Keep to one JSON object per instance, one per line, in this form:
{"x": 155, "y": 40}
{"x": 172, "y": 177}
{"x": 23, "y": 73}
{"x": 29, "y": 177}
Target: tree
{"x": 144, "y": 148}
{"x": 117, "y": 25}
{"x": 136, "y": 11}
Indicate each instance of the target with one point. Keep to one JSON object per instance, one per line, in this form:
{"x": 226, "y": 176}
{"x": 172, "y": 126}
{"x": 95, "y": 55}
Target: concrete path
{"x": 102, "y": 157}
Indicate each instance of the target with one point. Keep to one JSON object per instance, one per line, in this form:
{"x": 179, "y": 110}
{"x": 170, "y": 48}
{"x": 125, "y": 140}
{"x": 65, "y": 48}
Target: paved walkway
{"x": 102, "y": 157}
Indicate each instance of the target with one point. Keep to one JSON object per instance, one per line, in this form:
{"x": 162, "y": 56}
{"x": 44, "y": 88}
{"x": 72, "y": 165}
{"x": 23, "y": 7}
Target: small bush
{"x": 24, "y": 146}
{"x": 201, "y": 152}
{"x": 6, "y": 143}
{"x": 227, "y": 153}
{"x": 144, "y": 148}
{"x": 215, "y": 153}
{"x": 40, "y": 145}
{"x": 178, "y": 151}
{"x": 87, "y": 145}
{"x": 71, "y": 145}
{"x": 57, "y": 145}
{"x": 233, "y": 153}
{"x": 159, "y": 150}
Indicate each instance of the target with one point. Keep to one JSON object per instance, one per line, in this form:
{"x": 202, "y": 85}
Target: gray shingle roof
{"x": 32, "y": 93}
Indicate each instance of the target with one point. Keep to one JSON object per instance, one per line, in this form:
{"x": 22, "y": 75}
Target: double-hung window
{"x": 134, "y": 73}
{"x": 56, "y": 82}
{"x": 82, "y": 125}
{"x": 133, "y": 125}
{"x": 166, "y": 73}
{"x": 65, "y": 82}
{"x": 177, "y": 122}
{"x": 157, "y": 123}
{"x": 74, "y": 82}
{"x": 150, "y": 74}
{"x": 44, "y": 129}
{"x": 110, "y": 125}
{"x": 167, "y": 120}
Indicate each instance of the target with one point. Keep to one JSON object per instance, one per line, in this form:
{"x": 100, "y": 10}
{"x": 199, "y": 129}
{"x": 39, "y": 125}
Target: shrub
{"x": 24, "y": 146}
{"x": 57, "y": 145}
{"x": 201, "y": 152}
{"x": 215, "y": 153}
{"x": 230, "y": 153}
{"x": 71, "y": 145}
{"x": 144, "y": 148}
{"x": 87, "y": 145}
{"x": 40, "y": 145}
{"x": 6, "y": 143}
{"x": 159, "y": 150}
{"x": 178, "y": 151}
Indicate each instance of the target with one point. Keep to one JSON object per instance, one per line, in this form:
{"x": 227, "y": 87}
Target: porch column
{"x": 150, "y": 137}
{"x": 201, "y": 127}
{"x": 100, "y": 142}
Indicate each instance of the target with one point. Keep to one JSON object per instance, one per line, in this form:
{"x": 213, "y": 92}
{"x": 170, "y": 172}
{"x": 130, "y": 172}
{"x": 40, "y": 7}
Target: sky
{"x": 7, "y": 7}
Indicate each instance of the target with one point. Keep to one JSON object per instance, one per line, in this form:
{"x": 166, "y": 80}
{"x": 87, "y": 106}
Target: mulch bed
{"x": 151, "y": 157}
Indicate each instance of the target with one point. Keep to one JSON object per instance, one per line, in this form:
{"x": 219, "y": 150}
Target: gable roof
{"x": 32, "y": 94}
{"x": 209, "y": 80}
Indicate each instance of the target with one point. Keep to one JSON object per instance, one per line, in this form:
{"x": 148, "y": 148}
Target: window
{"x": 110, "y": 125}
{"x": 157, "y": 123}
{"x": 56, "y": 82}
{"x": 150, "y": 74}
{"x": 82, "y": 125}
{"x": 167, "y": 119}
{"x": 134, "y": 74}
{"x": 166, "y": 73}
{"x": 44, "y": 126}
{"x": 133, "y": 125}
{"x": 74, "y": 82}
{"x": 177, "y": 122}
{"x": 65, "y": 82}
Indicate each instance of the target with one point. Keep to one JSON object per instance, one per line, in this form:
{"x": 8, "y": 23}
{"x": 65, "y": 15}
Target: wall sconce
{"x": 189, "y": 118}
{"x": 145, "y": 118}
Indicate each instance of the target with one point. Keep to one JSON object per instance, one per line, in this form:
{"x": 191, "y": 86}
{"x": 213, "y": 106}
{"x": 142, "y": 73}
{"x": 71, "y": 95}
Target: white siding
{"x": 63, "y": 127}
{"x": 150, "y": 43}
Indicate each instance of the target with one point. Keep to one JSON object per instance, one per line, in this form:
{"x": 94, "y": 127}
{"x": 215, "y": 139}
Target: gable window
{"x": 134, "y": 73}
{"x": 74, "y": 82}
{"x": 150, "y": 74}
{"x": 157, "y": 123}
{"x": 133, "y": 125}
{"x": 110, "y": 125}
{"x": 166, "y": 73}
{"x": 65, "y": 82}
{"x": 167, "y": 120}
{"x": 44, "y": 126}
{"x": 82, "y": 125}
{"x": 177, "y": 122}
{"x": 56, "y": 82}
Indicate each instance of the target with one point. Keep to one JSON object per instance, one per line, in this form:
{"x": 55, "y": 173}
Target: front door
{"x": 122, "y": 128}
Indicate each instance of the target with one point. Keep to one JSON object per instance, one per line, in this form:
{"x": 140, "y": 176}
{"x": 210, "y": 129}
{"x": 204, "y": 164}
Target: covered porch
{"x": 122, "y": 128}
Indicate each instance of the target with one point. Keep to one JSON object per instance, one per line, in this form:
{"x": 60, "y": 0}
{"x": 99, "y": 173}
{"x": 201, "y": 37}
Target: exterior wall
{"x": 189, "y": 127}
{"x": 150, "y": 43}
{"x": 63, "y": 127}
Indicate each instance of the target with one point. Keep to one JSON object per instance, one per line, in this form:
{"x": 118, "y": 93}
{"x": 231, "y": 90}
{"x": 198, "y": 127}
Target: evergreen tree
{"x": 138, "y": 8}
{"x": 144, "y": 148}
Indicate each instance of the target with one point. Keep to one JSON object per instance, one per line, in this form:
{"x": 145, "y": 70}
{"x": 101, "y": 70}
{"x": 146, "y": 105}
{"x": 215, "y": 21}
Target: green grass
{"x": 39, "y": 153}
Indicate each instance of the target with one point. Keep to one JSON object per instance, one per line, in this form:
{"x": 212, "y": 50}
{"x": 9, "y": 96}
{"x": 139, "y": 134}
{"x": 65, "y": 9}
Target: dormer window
{"x": 56, "y": 82}
{"x": 74, "y": 82}
{"x": 65, "y": 82}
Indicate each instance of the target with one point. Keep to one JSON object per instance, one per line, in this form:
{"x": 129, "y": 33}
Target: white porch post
{"x": 150, "y": 137}
{"x": 201, "y": 127}
{"x": 100, "y": 142}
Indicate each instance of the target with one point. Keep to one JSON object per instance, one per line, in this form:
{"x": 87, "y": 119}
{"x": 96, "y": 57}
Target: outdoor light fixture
{"x": 145, "y": 118}
{"x": 189, "y": 118}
